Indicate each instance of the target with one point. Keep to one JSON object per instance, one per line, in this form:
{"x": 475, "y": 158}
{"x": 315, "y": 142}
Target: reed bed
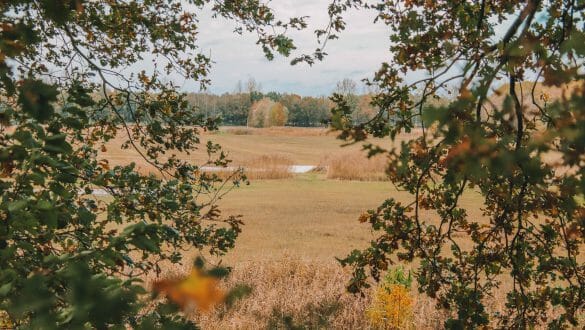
{"x": 268, "y": 167}
{"x": 354, "y": 165}
{"x": 295, "y": 293}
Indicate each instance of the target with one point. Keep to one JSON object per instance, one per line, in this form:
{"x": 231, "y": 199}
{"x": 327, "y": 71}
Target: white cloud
{"x": 357, "y": 54}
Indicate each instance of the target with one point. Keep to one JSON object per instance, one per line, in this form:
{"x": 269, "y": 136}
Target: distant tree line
{"x": 234, "y": 108}
{"x": 303, "y": 111}
{"x": 237, "y": 108}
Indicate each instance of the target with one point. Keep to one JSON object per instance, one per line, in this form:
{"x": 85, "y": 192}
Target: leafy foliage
{"x": 69, "y": 84}
{"x": 396, "y": 275}
{"x": 391, "y": 308}
{"x": 532, "y": 230}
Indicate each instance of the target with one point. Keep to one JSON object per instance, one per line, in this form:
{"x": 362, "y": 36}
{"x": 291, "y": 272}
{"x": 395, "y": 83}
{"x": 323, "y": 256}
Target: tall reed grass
{"x": 294, "y": 293}
{"x": 268, "y": 167}
{"x": 354, "y": 165}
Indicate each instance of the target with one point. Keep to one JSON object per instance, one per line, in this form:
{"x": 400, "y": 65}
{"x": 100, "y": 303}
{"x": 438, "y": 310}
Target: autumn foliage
{"x": 267, "y": 113}
{"x": 392, "y": 305}
{"x": 494, "y": 135}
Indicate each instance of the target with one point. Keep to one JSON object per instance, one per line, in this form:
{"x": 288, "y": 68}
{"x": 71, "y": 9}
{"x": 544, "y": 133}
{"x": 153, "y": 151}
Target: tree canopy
{"x": 531, "y": 234}
{"x": 69, "y": 82}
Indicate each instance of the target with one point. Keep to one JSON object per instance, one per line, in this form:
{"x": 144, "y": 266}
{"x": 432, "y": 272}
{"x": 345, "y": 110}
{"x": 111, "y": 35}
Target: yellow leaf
{"x": 197, "y": 288}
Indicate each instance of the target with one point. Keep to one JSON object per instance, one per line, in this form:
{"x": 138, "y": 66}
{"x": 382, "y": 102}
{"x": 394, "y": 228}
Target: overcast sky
{"x": 356, "y": 55}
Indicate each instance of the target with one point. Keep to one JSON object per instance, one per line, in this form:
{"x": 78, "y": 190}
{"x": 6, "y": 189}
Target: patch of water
{"x": 301, "y": 168}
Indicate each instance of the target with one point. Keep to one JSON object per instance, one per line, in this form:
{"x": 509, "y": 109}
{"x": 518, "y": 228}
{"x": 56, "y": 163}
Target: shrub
{"x": 392, "y": 306}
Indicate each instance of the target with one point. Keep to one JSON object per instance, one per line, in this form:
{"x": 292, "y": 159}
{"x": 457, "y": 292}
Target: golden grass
{"x": 236, "y": 130}
{"x": 294, "y": 293}
{"x": 354, "y": 165}
{"x": 289, "y": 293}
{"x": 250, "y": 147}
{"x": 265, "y": 167}
{"x": 307, "y": 217}
{"x": 268, "y": 167}
{"x": 304, "y": 146}
{"x": 294, "y": 227}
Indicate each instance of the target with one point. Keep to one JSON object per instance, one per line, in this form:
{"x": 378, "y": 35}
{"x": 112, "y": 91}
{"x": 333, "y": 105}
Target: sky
{"x": 356, "y": 55}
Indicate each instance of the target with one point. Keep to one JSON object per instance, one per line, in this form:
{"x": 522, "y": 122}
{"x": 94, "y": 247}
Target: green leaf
{"x": 5, "y": 289}
{"x": 17, "y": 205}
{"x": 36, "y": 98}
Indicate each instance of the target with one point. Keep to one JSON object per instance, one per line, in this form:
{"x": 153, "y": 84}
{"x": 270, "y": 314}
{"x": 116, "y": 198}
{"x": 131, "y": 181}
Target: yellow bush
{"x": 391, "y": 307}
{"x": 5, "y": 322}
{"x": 267, "y": 113}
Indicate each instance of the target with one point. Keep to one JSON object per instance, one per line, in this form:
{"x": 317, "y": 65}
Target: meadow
{"x": 262, "y": 148}
{"x": 294, "y": 229}
{"x": 296, "y": 225}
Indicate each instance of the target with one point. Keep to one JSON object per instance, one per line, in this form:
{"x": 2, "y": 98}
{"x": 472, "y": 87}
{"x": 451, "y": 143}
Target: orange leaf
{"x": 197, "y": 288}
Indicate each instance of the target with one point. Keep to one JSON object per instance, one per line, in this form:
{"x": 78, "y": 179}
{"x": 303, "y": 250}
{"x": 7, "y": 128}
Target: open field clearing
{"x": 294, "y": 229}
{"x": 297, "y": 224}
{"x": 251, "y": 148}
{"x": 308, "y": 216}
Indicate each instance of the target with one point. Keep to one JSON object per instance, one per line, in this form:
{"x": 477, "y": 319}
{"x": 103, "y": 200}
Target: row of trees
{"x": 267, "y": 113}
{"x": 303, "y": 111}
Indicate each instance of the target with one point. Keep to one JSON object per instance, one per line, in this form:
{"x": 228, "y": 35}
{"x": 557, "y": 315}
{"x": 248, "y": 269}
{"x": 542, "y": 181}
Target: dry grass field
{"x": 309, "y": 216}
{"x": 352, "y": 165}
{"x": 248, "y": 146}
{"x": 300, "y": 294}
{"x": 295, "y": 227}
